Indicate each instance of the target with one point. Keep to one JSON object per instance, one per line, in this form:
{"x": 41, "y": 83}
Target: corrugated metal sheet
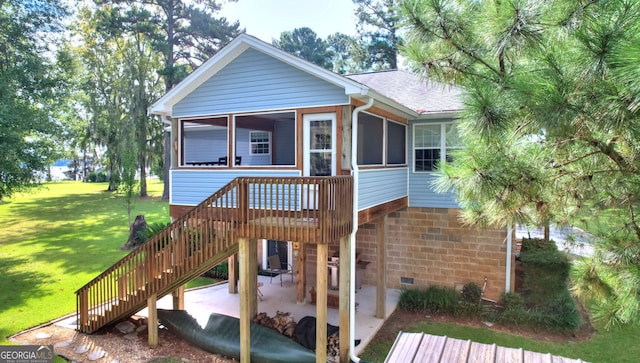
{"x": 427, "y": 348}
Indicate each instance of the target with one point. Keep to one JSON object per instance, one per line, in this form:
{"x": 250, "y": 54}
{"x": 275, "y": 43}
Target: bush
{"x": 412, "y": 300}
{"x": 471, "y": 293}
{"x": 101, "y": 177}
{"x": 92, "y": 176}
{"x": 545, "y": 275}
{"x": 220, "y": 271}
{"x": 537, "y": 244}
{"x": 511, "y": 300}
{"x": 435, "y": 299}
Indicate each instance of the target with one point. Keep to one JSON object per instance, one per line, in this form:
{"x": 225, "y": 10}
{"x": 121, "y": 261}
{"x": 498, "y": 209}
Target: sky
{"x": 266, "y": 19}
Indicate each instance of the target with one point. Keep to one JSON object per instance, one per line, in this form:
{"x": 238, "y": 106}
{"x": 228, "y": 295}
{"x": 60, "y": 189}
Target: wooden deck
{"x": 314, "y": 210}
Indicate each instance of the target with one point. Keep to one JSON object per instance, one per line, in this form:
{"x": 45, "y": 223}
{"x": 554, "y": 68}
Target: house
{"x": 293, "y": 159}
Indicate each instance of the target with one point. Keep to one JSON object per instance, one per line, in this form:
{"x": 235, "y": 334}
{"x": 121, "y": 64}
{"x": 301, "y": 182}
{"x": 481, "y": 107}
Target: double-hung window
{"x": 432, "y": 144}
{"x": 260, "y": 142}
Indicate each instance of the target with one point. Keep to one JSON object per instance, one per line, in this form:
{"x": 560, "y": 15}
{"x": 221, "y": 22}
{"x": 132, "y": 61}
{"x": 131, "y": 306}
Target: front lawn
{"x": 56, "y": 239}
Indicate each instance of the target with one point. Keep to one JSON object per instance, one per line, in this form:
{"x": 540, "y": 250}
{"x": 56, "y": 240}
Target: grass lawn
{"x": 56, "y": 239}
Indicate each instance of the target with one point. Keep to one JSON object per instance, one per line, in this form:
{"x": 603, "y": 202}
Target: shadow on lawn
{"x": 18, "y": 286}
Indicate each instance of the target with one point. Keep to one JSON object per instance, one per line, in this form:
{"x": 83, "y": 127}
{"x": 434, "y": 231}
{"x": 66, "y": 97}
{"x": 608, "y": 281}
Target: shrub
{"x": 101, "y": 177}
{"x": 545, "y": 275}
{"x": 514, "y": 310}
{"x": 220, "y": 271}
{"x": 441, "y": 299}
{"x": 434, "y": 299}
{"x": 537, "y": 244}
{"x": 412, "y": 300}
{"x": 471, "y": 293}
{"x": 92, "y": 176}
{"x": 511, "y": 300}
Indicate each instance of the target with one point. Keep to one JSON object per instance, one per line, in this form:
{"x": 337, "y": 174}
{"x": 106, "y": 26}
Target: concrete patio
{"x": 201, "y": 302}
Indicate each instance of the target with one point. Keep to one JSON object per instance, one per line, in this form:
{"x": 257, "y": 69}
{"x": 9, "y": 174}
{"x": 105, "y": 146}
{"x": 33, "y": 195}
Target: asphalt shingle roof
{"x": 411, "y": 91}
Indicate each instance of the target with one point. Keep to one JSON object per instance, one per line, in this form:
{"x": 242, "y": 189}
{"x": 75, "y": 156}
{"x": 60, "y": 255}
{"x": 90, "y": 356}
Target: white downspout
{"x": 507, "y": 283}
{"x": 352, "y": 278}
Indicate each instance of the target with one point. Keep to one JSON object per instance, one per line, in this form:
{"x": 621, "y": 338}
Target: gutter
{"x": 355, "y": 173}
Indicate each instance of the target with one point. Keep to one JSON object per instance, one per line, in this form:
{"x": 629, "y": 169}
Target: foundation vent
{"x": 406, "y": 280}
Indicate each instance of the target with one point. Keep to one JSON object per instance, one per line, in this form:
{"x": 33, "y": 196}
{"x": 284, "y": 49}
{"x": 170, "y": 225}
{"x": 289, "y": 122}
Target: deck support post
{"x": 301, "y": 271}
{"x": 152, "y": 323}
{"x": 321, "y": 302}
{"x": 232, "y": 263}
{"x": 178, "y": 298}
{"x": 248, "y": 255}
{"x": 344, "y": 302}
{"x": 381, "y": 265}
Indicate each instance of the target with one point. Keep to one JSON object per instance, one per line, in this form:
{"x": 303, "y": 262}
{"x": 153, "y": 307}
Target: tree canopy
{"x": 30, "y": 85}
{"x": 553, "y": 92}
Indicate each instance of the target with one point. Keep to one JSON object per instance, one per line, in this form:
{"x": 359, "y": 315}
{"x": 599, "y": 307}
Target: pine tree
{"x": 551, "y": 122}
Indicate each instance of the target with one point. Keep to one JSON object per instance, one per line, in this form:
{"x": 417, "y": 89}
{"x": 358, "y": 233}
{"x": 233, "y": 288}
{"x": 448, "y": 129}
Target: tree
{"x": 378, "y": 31}
{"x": 553, "y": 91}
{"x": 29, "y": 89}
{"x": 305, "y": 43}
{"x": 185, "y": 33}
{"x": 346, "y": 50}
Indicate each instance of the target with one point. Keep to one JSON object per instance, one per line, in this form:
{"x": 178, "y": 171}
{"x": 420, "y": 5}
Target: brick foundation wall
{"x": 432, "y": 247}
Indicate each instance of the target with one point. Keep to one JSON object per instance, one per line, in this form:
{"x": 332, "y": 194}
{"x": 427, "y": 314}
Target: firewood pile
{"x": 285, "y": 324}
{"x": 282, "y": 322}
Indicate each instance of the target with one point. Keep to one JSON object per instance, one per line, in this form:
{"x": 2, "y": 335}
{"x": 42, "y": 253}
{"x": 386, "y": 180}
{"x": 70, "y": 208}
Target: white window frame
{"x": 252, "y": 143}
{"x": 444, "y": 148}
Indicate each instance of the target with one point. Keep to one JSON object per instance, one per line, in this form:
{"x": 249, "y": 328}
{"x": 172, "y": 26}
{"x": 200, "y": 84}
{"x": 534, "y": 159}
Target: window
{"x": 260, "y": 142}
{"x": 432, "y": 144}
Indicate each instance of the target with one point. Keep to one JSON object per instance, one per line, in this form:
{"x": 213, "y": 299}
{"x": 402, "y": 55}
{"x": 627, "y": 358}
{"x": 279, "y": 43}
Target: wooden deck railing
{"x": 307, "y": 209}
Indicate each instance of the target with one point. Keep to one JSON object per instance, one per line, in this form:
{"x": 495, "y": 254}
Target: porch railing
{"x": 302, "y": 209}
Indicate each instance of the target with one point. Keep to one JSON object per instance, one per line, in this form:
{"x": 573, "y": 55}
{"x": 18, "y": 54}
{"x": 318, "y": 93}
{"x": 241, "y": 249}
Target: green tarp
{"x": 222, "y": 336}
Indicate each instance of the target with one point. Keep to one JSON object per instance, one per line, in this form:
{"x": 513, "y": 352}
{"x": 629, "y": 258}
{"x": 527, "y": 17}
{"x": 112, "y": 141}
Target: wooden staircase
{"x": 305, "y": 209}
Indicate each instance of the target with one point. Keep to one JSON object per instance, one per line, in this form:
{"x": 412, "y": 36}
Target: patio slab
{"x": 201, "y": 302}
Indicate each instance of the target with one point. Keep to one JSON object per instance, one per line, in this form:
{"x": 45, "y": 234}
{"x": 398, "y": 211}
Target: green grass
{"x": 56, "y": 239}
{"x": 618, "y": 345}
{"x": 200, "y": 281}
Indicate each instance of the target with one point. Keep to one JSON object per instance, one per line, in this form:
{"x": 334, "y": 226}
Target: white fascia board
{"x": 438, "y": 115}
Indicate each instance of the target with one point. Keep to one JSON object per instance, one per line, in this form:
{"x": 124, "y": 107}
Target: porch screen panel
{"x": 370, "y": 136}
{"x": 396, "y": 143}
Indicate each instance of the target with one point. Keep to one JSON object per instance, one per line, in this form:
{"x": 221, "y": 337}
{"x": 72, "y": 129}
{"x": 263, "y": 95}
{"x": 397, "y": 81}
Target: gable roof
{"x": 398, "y": 90}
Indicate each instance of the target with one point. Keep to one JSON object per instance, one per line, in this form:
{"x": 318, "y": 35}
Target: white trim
{"x": 268, "y": 142}
{"x": 443, "y": 143}
{"x": 308, "y": 117}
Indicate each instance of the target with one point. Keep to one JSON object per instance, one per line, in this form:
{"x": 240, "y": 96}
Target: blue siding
{"x": 204, "y": 145}
{"x": 190, "y": 187}
{"x": 421, "y": 191}
{"x": 380, "y": 186}
{"x": 255, "y": 81}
